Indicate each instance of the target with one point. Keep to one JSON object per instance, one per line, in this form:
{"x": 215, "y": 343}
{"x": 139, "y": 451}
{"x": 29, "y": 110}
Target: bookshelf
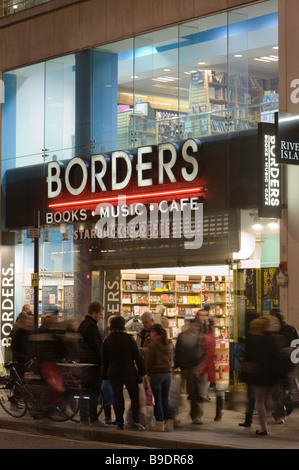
{"x": 134, "y": 130}
{"x": 183, "y": 296}
{"x": 213, "y": 97}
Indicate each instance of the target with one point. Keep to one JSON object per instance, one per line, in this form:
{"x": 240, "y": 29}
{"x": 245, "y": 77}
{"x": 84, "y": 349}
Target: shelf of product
{"x": 182, "y": 296}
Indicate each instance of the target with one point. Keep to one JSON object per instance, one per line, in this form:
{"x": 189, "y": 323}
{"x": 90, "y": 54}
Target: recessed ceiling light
{"x": 269, "y": 58}
{"x": 201, "y": 63}
{"x": 134, "y": 76}
{"x": 257, "y": 226}
{"x": 238, "y": 55}
{"x": 274, "y": 56}
{"x": 166, "y": 70}
{"x": 273, "y": 225}
{"x": 261, "y": 60}
{"x": 275, "y": 47}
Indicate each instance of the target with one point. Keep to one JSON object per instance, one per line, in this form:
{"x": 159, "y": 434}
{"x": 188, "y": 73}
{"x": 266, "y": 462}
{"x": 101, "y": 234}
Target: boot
{"x": 169, "y": 425}
{"x": 219, "y": 408}
{"x": 159, "y": 426}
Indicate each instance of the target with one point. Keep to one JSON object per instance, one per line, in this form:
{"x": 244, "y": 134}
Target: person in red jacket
{"x": 208, "y": 368}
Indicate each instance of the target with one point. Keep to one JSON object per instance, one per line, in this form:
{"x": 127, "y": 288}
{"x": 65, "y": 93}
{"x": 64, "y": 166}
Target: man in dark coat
{"x": 282, "y": 395}
{"x": 91, "y": 353}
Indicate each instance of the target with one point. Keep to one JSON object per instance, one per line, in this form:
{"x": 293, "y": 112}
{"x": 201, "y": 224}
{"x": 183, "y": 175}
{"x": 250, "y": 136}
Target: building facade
{"x": 157, "y": 108}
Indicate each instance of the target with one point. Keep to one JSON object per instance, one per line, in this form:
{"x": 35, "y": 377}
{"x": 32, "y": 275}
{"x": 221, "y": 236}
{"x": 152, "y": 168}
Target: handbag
{"x": 148, "y": 392}
{"x": 107, "y": 392}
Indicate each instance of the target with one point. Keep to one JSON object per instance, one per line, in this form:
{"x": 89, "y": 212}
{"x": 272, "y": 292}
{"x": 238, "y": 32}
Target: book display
{"x": 182, "y": 296}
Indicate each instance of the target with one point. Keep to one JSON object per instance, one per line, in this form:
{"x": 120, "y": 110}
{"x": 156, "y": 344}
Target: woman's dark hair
{"x": 160, "y": 331}
{"x": 118, "y": 323}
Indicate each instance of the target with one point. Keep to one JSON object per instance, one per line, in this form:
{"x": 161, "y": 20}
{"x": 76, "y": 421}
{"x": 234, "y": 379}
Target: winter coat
{"x": 187, "y": 350}
{"x": 90, "y": 342}
{"x": 160, "y": 356}
{"x": 266, "y": 355}
{"x": 121, "y": 356}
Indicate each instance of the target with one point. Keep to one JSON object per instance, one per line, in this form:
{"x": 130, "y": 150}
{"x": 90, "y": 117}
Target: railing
{"x": 11, "y": 7}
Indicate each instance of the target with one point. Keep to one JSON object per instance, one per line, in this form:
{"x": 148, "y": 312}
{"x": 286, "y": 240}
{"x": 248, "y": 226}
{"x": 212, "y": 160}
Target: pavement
{"x": 224, "y": 434}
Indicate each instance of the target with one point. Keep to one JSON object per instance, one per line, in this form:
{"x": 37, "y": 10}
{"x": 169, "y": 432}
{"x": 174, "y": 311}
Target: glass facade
{"x": 11, "y": 7}
{"x": 203, "y": 79}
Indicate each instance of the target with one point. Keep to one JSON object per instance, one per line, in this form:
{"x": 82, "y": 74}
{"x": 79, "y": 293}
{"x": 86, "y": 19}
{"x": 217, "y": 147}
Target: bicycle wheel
{"x": 66, "y": 406}
{"x": 76, "y": 417}
{"x": 12, "y": 398}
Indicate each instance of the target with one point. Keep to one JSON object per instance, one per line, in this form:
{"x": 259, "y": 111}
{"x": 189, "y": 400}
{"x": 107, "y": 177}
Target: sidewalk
{"x": 226, "y": 434}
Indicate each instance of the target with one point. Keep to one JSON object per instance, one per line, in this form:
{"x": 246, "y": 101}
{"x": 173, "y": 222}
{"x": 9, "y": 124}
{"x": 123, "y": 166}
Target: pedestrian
{"x": 159, "y": 367}
{"x": 188, "y": 356}
{"x": 144, "y": 336}
{"x": 207, "y": 368}
{"x": 123, "y": 366}
{"x": 91, "y": 353}
{"x": 248, "y": 366}
{"x": 282, "y": 394}
{"x": 265, "y": 356}
{"x": 106, "y": 385}
{"x": 20, "y": 342}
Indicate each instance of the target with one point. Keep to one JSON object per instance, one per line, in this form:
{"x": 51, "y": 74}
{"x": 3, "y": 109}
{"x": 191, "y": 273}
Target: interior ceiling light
{"x": 262, "y": 60}
{"x": 275, "y": 47}
{"x": 166, "y": 70}
{"x": 269, "y": 58}
{"x": 201, "y": 63}
{"x": 257, "y": 226}
{"x": 273, "y": 225}
{"x": 238, "y": 55}
{"x": 274, "y": 56}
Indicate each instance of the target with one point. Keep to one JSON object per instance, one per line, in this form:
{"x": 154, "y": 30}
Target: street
{"x": 20, "y": 440}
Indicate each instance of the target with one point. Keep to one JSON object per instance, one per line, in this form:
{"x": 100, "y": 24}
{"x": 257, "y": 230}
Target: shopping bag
{"x": 175, "y": 391}
{"x": 107, "y": 392}
{"x": 148, "y": 392}
{"x": 142, "y": 398}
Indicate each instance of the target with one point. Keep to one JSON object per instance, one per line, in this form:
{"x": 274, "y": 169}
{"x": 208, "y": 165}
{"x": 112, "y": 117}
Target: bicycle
{"x": 73, "y": 381}
{"x": 31, "y": 393}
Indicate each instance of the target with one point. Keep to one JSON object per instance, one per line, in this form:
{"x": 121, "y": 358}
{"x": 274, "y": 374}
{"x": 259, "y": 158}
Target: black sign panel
{"x": 112, "y": 292}
{"x": 269, "y": 203}
{"x": 288, "y": 139}
{"x": 49, "y": 300}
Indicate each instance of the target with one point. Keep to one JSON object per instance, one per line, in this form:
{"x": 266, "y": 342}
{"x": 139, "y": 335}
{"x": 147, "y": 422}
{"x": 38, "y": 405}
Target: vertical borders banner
{"x": 7, "y": 291}
{"x": 269, "y": 173}
{"x": 112, "y": 292}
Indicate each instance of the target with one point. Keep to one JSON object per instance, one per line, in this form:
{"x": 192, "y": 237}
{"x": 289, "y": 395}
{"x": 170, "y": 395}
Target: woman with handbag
{"x": 159, "y": 367}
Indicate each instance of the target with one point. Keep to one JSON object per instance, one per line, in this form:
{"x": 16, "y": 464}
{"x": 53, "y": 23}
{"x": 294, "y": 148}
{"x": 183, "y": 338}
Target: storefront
{"x": 142, "y": 155}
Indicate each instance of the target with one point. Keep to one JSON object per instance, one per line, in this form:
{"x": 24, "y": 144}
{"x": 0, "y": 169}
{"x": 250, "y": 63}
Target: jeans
{"x": 160, "y": 384}
{"x": 131, "y": 385}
